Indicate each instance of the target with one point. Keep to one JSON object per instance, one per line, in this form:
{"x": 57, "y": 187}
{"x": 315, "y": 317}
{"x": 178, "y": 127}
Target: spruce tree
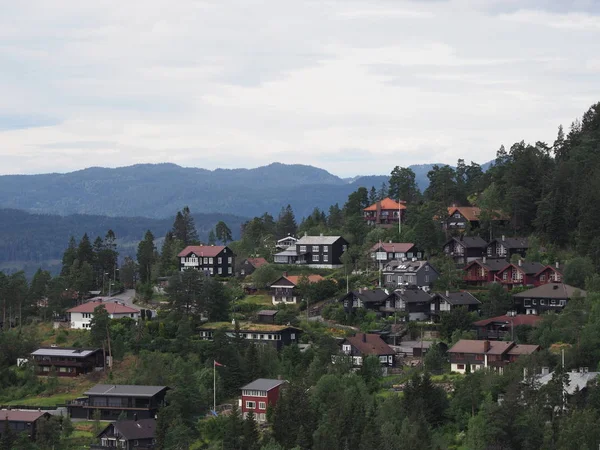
{"x": 251, "y": 438}
{"x": 69, "y": 256}
{"x": 146, "y": 257}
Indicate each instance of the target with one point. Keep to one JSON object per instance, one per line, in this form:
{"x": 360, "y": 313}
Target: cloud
{"x": 351, "y": 87}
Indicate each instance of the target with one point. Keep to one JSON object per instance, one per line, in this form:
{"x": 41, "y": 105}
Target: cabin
{"x": 67, "y": 362}
{"x": 136, "y": 434}
{"x": 266, "y": 316}
{"x": 522, "y": 273}
{"x": 285, "y": 289}
{"x": 362, "y": 345}
{"x": 259, "y": 395}
{"x": 385, "y": 252}
{"x": 482, "y": 272}
{"x": 546, "y": 297}
{"x": 385, "y": 213}
{"x": 550, "y": 274}
{"x": 21, "y": 421}
{"x": 507, "y": 247}
{"x": 276, "y": 336}
{"x": 286, "y": 242}
{"x": 81, "y": 316}
{"x": 471, "y": 355}
{"x": 413, "y": 302}
{"x": 212, "y": 260}
{"x": 419, "y": 274}
{"x": 371, "y": 299}
{"x": 447, "y": 301}
{"x": 500, "y": 327}
{"x": 464, "y": 249}
{"x": 114, "y": 400}
{"x": 249, "y": 265}
{"x": 462, "y": 218}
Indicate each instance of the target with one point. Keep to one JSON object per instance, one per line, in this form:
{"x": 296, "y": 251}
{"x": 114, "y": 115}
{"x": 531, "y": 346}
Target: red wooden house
{"x": 550, "y": 274}
{"x": 258, "y": 396}
{"x": 384, "y": 213}
{"x": 483, "y": 271}
{"x": 520, "y": 274}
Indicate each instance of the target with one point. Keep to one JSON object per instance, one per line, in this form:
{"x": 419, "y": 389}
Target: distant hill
{"x": 28, "y": 241}
{"x": 160, "y": 190}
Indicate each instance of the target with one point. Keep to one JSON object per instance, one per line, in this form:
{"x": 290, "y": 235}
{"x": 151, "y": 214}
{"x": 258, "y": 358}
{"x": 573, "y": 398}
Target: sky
{"x": 354, "y": 87}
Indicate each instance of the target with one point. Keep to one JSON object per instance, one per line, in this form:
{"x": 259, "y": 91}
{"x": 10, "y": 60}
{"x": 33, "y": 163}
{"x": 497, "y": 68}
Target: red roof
{"x": 519, "y": 319}
{"x": 391, "y": 247}
{"x": 369, "y": 344}
{"x": 20, "y": 416}
{"x": 209, "y": 251}
{"x": 386, "y": 203}
{"x": 257, "y": 262}
{"x": 111, "y": 308}
{"x": 311, "y": 278}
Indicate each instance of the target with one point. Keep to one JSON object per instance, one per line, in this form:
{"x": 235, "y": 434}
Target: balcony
{"x": 475, "y": 277}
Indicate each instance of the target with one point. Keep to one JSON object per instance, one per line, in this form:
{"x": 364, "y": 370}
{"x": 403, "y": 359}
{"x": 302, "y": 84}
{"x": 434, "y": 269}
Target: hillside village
{"x": 461, "y": 317}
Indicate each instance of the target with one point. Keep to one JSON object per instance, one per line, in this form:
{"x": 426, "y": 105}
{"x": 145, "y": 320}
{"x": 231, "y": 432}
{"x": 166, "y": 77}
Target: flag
{"x": 218, "y": 364}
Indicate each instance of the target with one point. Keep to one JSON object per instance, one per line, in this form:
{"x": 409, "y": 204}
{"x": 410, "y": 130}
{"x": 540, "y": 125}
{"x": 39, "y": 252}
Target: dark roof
{"x": 369, "y": 344}
{"x": 263, "y": 384}
{"x": 371, "y": 295}
{"x": 551, "y": 290}
{"x": 21, "y": 416}
{"x": 491, "y": 264}
{"x": 460, "y": 298}
{"x": 519, "y": 319}
{"x": 135, "y": 429}
{"x": 406, "y": 266}
{"x": 413, "y": 295}
{"x": 125, "y": 390}
{"x": 528, "y": 268}
{"x": 469, "y": 241}
{"x": 268, "y": 312}
{"x": 512, "y": 242}
{"x": 67, "y": 352}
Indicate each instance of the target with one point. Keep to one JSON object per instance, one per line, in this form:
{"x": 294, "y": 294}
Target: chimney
{"x": 520, "y": 262}
{"x": 279, "y": 377}
{"x": 503, "y": 238}
{"x": 557, "y": 265}
{"x": 305, "y": 234}
{"x": 390, "y": 241}
{"x": 447, "y": 293}
{"x": 364, "y": 337}
{"x": 545, "y": 370}
{"x": 486, "y": 346}
{"x": 360, "y": 290}
{"x": 484, "y": 259}
{"x": 285, "y": 274}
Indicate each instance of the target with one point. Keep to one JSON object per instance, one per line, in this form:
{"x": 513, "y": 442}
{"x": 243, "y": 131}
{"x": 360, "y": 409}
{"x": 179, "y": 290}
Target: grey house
{"x": 323, "y": 252}
{"x": 412, "y": 301}
{"x": 419, "y": 274}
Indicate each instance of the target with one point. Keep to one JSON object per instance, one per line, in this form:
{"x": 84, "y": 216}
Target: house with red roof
{"x": 497, "y": 328}
{"x": 285, "y": 288}
{"x": 460, "y": 218}
{"x": 249, "y": 265}
{"x": 211, "y": 259}
{"x": 493, "y": 355}
{"x": 362, "y": 345}
{"x": 80, "y": 316}
{"x": 384, "y": 213}
{"x": 384, "y": 252}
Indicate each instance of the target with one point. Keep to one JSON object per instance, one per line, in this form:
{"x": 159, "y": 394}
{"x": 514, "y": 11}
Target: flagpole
{"x": 214, "y": 387}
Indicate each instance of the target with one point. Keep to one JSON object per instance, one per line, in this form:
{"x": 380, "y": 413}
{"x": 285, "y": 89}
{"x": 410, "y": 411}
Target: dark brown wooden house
{"x": 67, "y": 362}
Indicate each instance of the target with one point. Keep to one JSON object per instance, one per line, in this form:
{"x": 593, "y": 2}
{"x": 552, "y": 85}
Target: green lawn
{"x": 260, "y": 299}
{"x": 53, "y": 400}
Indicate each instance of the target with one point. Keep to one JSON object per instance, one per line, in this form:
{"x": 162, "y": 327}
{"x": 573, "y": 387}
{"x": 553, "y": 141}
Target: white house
{"x": 81, "y": 316}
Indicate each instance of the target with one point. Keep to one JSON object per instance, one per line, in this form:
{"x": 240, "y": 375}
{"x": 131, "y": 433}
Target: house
{"x": 277, "y": 336}
{"x": 371, "y": 299}
{"x": 384, "y": 213}
{"x": 21, "y": 421}
{"x": 259, "y": 395}
{"x": 411, "y": 301}
{"x": 128, "y": 435}
{"x": 267, "y": 316}
{"x": 112, "y": 400}
{"x": 578, "y": 379}
{"x": 447, "y": 301}
{"x": 249, "y": 265}
{"x": 481, "y": 272}
{"x": 460, "y": 218}
{"x": 285, "y": 289}
{"x": 417, "y": 349}
{"x": 522, "y": 273}
{"x": 464, "y": 249}
{"x": 286, "y": 242}
{"x": 362, "y": 345}
{"x": 473, "y": 355}
{"x": 546, "y": 297}
{"x": 420, "y": 274}
{"x": 507, "y": 247}
{"x": 80, "y": 316}
{"x": 322, "y": 252}
{"x": 549, "y": 274}
{"x": 67, "y": 362}
{"x": 210, "y": 259}
{"x": 499, "y": 327}
{"x": 384, "y": 252}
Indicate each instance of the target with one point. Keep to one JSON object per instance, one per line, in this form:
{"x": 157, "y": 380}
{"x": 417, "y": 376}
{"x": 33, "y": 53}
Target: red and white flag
{"x": 218, "y": 364}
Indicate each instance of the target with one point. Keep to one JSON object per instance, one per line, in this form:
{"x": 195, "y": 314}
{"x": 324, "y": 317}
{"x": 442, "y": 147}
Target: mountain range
{"x": 160, "y": 190}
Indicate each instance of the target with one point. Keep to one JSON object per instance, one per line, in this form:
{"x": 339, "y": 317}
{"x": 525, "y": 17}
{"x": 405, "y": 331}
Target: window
{"x": 553, "y": 302}
{"x": 426, "y": 278}
{"x": 325, "y": 258}
{"x": 262, "y": 405}
{"x": 460, "y": 366}
{"x": 315, "y": 258}
{"x": 534, "y": 302}
{"x": 563, "y": 303}
{"x": 210, "y": 260}
{"x": 211, "y": 271}
{"x": 325, "y": 249}
{"x": 505, "y": 276}
{"x": 542, "y": 277}
{"x": 542, "y": 302}
{"x": 229, "y": 270}
{"x": 409, "y": 255}
{"x": 426, "y": 268}
{"x": 205, "y": 260}
{"x": 389, "y": 278}
{"x": 220, "y": 260}
{"x": 221, "y": 271}
{"x": 456, "y": 215}
{"x": 302, "y": 248}
{"x": 229, "y": 260}
{"x": 390, "y": 255}
{"x": 250, "y": 405}
{"x": 315, "y": 249}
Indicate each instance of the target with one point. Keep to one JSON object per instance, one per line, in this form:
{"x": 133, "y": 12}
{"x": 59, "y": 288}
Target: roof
{"x": 475, "y": 346}
{"x": 263, "y": 384}
{"x": 288, "y": 252}
{"x": 318, "y": 240}
{"x": 202, "y": 250}
{"x": 577, "y": 380}
{"x": 370, "y": 295}
{"x": 554, "y": 267}
{"x": 469, "y": 241}
{"x": 386, "y": 203}
{"x": 523, "y": 349}
{"x": 111, "y": 308}
{"x": 513, "y": 242}
{"x": 287, "y": 238}
{"x": 460, "y": 298}
{"x": 125, "y": 390}
{"x": 135, "y": 429}
{"x": 295, "y": 279}
{"x": 491, "y": 264}
{"x": 471, "y": 213}
{"x": 551, "y": 290}
{"x": 267, "y": 312}
{"x": 416, "y": 344}
{"x": 405, "y": 266}
{"x": 15, "y": 415}
{"x": 372, "y": 344}
{"x": 247, "y": 327}
{"x": 257, "y": 262}
{"x": 393, "y": 247}
{"x": 529, "y": 268}
{"x": 519, "y": 319}
{"x": 67, "y": 352}
{"x": 413, "y": 295}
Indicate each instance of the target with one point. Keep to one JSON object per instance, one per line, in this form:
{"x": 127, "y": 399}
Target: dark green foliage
{"x": 457, "y": 319}
{"x": 402, "y": 185}
{"x": 577, "y": 270}
{"x": 146, "y": 256}
{"x": 222, "y": 232}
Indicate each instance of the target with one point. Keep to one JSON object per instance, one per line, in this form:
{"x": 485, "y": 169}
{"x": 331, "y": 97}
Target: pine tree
{"x": 251, "y": 438}
{"x": 69, "y": 256}
{"x": 212, "y": 238}
{"x": 222, "y": 232}
{"x": 146, "y": 257}
{"x": 85, "y": 251}
{"x": 190, "y": 228}
{"x": 373, "y": 197}
{"x": 286, "y": 222}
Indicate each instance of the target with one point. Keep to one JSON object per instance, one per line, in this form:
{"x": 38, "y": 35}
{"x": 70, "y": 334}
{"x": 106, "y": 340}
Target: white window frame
{"x": 221, "y": 271}
{"x": 325, "y": 249}
{"x": 219, "y": 260}
{"x": 229, "y": 260}
{"x": 302, "y": 248}
{"x": 315, "y": 258}
{"x": 250, "y": 404}
{"x": 315, "y": 249}
{"x": 262, "y": 405}
{"x": 210, "y": 260}
{"x": 325, "y": 258}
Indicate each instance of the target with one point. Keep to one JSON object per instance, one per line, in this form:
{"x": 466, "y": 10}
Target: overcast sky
{"x": 354, "y": 87}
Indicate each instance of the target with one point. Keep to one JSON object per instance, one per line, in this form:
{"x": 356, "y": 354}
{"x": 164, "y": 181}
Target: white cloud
{"x": 350, "y": 88}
